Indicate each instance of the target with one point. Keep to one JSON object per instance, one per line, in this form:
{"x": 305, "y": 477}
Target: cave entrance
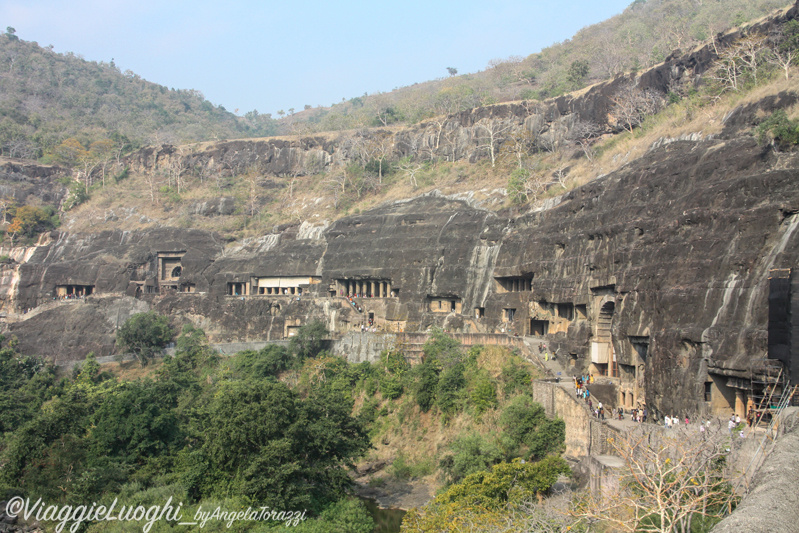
{"x": 70, "y": 292}
{"x": 721, "y": 396}
{"x": 539, "y": 327}
{"x": 237, "y": 289}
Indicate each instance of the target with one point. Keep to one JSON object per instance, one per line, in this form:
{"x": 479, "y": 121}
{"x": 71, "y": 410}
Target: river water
{"x": 386, "y": 520}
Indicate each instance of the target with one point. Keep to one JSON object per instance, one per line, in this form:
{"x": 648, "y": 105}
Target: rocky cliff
{"x": 654, "y": 276}
{"x": 661, "y": 267}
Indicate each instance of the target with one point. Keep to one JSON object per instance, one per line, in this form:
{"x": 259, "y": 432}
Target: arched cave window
{"x": 177, "y": 271}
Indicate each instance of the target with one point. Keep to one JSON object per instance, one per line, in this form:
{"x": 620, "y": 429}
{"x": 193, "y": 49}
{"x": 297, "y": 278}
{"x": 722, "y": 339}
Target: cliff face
{"x": 654, "y": 276}
{"x": 661, "y": 267}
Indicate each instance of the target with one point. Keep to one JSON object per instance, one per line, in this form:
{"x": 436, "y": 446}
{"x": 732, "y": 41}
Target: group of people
{"x": 356, "y": 306}
{"x": 70, "y": 297}
{"x": 581, "y": 383}
{"x": 734, "y": 422}
{"x": 670, "y": 422}
{"x": 637, "y": 414}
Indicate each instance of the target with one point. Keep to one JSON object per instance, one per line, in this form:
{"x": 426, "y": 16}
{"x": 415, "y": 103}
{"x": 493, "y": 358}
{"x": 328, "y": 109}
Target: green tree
{"x": 135, "y": 423}
{"x": 144, "y": 334}
{"x": 425, "y": 383}
{"x": 779, "y": 130}
{"x": 30, "y": 220}
{"x": 269, "y": 361}
{"x": 526, "y": 425}
{"x": 450, "y": 389}
{"x": 577, "y": 73}
{"x": 471, "y": 453}
{"x": 309, "y": 340}
{"x": 483, "y": 395}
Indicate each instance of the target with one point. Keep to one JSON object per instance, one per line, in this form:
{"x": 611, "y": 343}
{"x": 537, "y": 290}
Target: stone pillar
{"x": 740, "y": 404}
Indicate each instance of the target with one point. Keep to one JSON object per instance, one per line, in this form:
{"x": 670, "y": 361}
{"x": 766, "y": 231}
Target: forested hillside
{"x": 46, "y": 98}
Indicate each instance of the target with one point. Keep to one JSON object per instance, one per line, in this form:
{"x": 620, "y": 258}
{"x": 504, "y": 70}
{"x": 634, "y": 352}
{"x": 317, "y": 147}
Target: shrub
{"x": 425, "y": 383}
{"x": 515, "y": 378}
{"x": 779, "y": 130}
{"x": 450, "y": 387}
{"x": 309, "y": 340}
{"x": 483, "y": 395}
{"x": 525, "y": 424}
{"x": 470, "y": 453}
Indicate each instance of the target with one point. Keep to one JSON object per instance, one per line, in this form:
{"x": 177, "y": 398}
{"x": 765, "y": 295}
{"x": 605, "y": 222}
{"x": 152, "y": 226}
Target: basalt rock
{"x": 661, "y": 267}
{"x": 21, "y": 180}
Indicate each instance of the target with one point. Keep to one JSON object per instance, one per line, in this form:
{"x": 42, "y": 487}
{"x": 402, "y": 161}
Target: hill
{"x": 645, "y": 34}
{"x": 49, "y": 97}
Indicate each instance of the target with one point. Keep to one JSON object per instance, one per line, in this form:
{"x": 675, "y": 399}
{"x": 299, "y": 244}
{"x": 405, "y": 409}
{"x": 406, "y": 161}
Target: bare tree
{"x": 584, "y": 134}
{"x": 666, "y": 480}
{"x": 410, "y": 168}
{"x": 153, "y": 180}
{"x": 517, "y": 147}
{"x": 526, "y": 185}
{"x": 738, "y": 62}
{"x": 781, "y": 52}
{"x": 375, "y": 146}
{"x": 494, "y": 133}
{"x": 632, "y": 104}
{"x": 7, "y": 204}
{"x": 176, "y": 168}
{"x": 336, "y": 183}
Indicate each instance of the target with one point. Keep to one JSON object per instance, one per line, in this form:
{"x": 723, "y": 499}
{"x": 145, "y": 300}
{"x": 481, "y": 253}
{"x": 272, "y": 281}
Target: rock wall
{"x": 664, "y": 264}
{"x": 585, "y": 435}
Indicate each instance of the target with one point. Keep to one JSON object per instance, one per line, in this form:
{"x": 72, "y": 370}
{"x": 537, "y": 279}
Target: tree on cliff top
{"x": 144, "y": 334}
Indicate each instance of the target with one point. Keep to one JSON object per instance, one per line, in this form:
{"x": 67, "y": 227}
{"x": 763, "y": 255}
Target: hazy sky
{"x": 269, "y": 55}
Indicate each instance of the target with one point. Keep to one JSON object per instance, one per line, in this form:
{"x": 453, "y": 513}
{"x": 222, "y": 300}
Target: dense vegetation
{"x": 200, "y": 430}
{"x": 49, "y": 98}
{"x": 210, "y": 431}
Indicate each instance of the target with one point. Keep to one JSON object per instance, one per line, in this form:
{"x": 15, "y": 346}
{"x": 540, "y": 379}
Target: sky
{"x": 270, "y": 56}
